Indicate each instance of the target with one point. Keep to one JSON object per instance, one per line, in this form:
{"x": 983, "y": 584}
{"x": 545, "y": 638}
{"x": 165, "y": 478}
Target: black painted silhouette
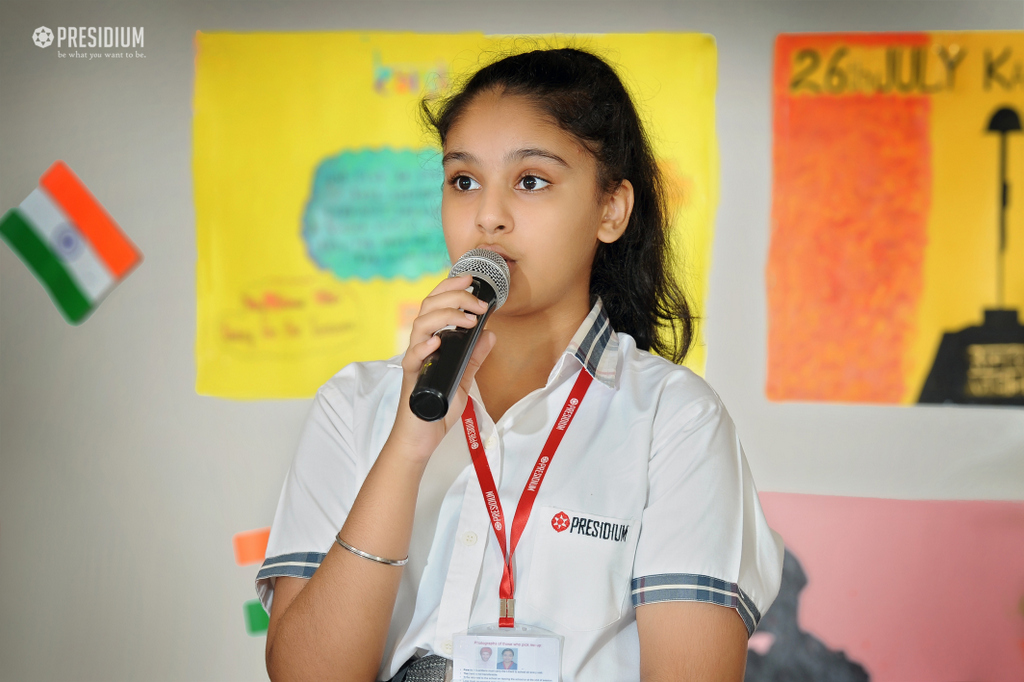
{"x": 795, "y": 655}
{"x": 1005, "y": 121}
{"x": 980, "y": 365}
{"x": 985, "y": 365}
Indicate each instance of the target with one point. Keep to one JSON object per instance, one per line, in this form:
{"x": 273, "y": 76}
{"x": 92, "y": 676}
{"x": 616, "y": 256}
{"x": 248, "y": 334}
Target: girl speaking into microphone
{"x": 585, "y": 502}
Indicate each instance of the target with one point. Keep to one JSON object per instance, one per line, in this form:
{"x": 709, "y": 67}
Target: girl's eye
{"x": 465, "y": 183}
{"x": 532, "y": 183}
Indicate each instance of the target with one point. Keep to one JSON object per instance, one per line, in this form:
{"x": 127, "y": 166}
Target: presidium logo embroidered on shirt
{"x": 580, "y": 525}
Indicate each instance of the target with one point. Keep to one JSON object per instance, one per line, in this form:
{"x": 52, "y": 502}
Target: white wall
{"x": 120, "y": 488}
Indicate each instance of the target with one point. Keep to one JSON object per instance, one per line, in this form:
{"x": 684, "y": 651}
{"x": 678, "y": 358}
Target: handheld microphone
{"x": 442, "y": 370}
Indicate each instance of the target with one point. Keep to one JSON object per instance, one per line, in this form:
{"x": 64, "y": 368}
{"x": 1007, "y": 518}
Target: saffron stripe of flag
{"x": 88, "y": 215}
{"x": 70, "y": 242}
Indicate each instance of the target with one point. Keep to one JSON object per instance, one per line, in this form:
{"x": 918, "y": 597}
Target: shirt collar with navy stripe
{"x": 596, "y": 346}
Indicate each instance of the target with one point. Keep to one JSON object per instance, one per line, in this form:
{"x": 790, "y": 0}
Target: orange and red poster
{"x": 892, "y": 234}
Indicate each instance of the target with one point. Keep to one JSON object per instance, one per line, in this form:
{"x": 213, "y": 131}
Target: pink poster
{"x": 894, "y": 591}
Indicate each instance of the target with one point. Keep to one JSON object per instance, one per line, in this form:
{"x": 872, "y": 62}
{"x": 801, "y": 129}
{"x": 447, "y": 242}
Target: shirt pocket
{"x": 581, "y": 567}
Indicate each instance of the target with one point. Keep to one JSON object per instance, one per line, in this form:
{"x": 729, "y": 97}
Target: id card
{"x": 489, "y": 653}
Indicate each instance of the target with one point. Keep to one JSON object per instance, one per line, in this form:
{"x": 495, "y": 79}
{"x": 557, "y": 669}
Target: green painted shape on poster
{"x": 256, "y": 619}
{"x": 377, "y": 213}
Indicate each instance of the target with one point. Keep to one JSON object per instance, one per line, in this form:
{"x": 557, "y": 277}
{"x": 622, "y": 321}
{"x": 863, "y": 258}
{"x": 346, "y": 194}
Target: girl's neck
{"x": 527, "y": 348}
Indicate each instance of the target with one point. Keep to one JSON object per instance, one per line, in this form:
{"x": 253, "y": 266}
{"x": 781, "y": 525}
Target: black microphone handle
{"x": 442, "y": 370}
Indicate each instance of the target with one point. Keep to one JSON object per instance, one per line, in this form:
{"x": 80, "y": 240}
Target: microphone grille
{"x": 485, "y": 265}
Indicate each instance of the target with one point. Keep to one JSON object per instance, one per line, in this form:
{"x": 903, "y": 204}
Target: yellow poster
{"x": 317, "y": 188}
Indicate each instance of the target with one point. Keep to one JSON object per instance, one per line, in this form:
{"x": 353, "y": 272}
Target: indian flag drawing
{"x": 71, "y": 244}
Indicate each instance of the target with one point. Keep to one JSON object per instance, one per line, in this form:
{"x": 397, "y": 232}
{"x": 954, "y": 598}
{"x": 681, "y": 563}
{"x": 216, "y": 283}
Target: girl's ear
{"x": 618, "y": 206}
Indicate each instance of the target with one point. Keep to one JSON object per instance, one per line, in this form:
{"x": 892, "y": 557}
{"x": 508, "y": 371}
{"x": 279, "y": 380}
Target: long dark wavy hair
{"x": 584, "y": 96}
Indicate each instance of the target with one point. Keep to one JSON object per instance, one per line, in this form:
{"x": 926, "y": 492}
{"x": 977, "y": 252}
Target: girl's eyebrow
{"x": 520, "y": 154}
{"x": 457, "y": 156}
{"x": 517, "y": 155}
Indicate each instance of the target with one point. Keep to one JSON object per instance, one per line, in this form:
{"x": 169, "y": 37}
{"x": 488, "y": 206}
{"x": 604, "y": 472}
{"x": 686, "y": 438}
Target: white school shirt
{"x": 647, "y": 499}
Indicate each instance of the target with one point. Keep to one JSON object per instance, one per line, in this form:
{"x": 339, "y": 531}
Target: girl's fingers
{"x": 417, "y": 353}
{"x": 426, "y": 325}
{"x": 459, "y": 298}
{"x": 423, "y": 341}
{"x": 447, "y": 305}
{"x": 451, "y": 284}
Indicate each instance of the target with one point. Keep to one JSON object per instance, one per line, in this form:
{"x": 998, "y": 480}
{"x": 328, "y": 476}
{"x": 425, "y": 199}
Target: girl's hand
{"x": 440, "y": 308}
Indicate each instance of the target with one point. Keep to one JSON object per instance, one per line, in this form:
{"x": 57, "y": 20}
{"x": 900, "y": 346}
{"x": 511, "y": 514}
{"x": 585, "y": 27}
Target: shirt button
{"x": 491, "y": 442}
{"x": 469, "y": 538}
{"x": 447, "y": 646}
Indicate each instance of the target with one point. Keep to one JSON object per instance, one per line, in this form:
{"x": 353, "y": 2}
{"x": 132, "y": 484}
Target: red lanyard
{"x": 506, "y": 613}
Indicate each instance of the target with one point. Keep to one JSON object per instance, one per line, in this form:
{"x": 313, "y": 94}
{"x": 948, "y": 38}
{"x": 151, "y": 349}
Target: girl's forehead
{"x": 493, "y": 119}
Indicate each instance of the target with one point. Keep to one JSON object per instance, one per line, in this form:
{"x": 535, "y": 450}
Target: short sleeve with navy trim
{"x": 329, "y": 466}
{"x": 704, "y": 536}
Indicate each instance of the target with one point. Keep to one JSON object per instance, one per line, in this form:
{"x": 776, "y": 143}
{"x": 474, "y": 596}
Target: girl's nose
{"x": 493, "y": 214}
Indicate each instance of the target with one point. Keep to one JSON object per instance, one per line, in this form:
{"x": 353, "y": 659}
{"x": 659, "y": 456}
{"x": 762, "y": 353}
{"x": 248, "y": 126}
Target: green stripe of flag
{"x": 38, "y": 256}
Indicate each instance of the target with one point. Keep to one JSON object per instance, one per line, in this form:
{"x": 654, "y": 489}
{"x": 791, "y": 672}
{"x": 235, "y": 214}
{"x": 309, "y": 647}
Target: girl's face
{"x": 519, "y": 185}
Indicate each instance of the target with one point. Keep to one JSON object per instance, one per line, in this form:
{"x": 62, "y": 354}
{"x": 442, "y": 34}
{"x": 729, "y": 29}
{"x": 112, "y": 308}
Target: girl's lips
{"x": 508, "y": 261}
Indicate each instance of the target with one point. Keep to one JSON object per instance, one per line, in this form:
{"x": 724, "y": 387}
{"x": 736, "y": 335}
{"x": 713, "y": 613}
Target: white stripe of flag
{"x": 56, "y": 230}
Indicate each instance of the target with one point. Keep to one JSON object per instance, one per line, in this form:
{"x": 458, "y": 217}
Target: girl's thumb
{"x": 483, "y": 346}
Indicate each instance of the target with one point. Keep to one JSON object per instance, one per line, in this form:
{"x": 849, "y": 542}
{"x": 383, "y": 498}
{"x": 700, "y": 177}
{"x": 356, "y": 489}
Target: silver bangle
{"x": 367, "y": 555}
